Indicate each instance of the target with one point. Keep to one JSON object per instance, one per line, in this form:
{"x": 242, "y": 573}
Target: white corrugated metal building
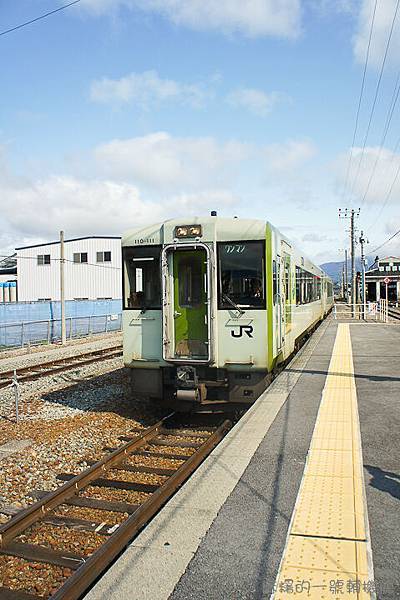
{"x": 92, "y": 270}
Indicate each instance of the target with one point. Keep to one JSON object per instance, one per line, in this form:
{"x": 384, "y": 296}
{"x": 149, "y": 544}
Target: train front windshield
{"x": 241, "y": 274}
{"x": 142, "y": 285}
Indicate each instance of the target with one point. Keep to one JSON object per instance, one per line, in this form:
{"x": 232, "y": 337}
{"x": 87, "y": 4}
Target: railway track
{"x": 58, "y": 546}
{"x": 56, "y": 366}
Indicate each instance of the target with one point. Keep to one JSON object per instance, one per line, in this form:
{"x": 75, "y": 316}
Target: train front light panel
{"x": 188, "y": 231}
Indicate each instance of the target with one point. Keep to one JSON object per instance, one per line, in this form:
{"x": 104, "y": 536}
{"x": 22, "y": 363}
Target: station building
{"x": 92, "y": 270}
{"x": 381, "y": 269}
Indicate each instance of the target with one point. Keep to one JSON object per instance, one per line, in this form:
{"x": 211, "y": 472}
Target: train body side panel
{"x": 242, "y": 340}
{"x": 142, "y": 338}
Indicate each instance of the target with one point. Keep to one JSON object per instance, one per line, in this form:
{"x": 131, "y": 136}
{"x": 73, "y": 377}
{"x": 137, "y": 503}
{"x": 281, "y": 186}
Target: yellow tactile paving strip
{"x": 326, "y": 550}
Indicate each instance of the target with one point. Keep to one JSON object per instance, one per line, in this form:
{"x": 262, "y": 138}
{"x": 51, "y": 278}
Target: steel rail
{"x": 86, "y": 569}
{"x": 36, "y": 371}
{"x": 27, "y": 517}
{"x": 88, "y": 572}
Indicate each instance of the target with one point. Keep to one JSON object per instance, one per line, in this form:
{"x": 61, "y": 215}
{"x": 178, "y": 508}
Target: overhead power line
{"x": 39, "y": 18}
{"x": 390, "y": 190}
{"x": 378, "y": 85}
{"x": 389, "y": 116}
{"x": 360, "y": 99}
{"x": 385, "y": 242}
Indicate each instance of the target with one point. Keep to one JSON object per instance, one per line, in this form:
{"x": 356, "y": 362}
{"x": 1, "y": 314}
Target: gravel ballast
{"x": 20, "y": 358}
{"x": 68, "y": 419}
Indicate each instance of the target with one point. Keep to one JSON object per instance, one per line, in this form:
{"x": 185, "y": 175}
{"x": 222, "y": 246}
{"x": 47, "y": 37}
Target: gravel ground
{"x": 130, "y": 476}
{"x": 115, "y": 495}
{"x": 22, "y": 358}
{"x": 77, "y": 393}
{"x": 91, "y": 514}
{"x": 149, "y": 461}
{"x": 69, "y": 419}
{"x": 184, "y": 452}
{"x": 82, "y": 543}
{"x": 68, "y": 422}
{"x": 32, "y": 577}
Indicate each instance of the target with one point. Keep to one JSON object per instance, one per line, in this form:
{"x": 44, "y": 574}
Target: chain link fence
{"x": 16, "y": 335}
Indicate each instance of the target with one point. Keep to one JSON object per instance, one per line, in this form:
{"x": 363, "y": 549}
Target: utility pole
{"x": 62, "y": 290}
{"x": 351, "y": 214}
{"x": 363, "y": 241}
{"x": 345, "y": 284}
{"x": 342, "y": 284}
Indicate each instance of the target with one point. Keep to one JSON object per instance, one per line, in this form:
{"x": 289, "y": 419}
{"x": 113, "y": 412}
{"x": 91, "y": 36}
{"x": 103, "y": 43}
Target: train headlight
{"x": 186, "y": 231}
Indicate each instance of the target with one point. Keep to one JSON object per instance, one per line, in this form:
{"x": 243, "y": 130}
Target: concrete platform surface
{"x": 223, "y": 535}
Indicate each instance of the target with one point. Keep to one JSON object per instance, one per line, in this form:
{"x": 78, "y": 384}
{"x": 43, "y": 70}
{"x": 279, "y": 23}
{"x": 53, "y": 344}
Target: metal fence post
{"x": 90, "y": 325}
{"x": 70, "y": 328}
{"x": 106, "y": 324}
{"x": 15, "y": 385}
{"x": 48, "y": 331}
{"x": 22, "y": 334}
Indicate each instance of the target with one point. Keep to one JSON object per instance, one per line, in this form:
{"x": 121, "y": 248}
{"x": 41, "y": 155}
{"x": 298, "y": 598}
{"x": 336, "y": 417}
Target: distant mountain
{"x": 334, "y": 269}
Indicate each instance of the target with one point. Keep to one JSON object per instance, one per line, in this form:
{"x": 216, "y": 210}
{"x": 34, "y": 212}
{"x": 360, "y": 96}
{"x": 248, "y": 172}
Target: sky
{"x": 120, "y": 113}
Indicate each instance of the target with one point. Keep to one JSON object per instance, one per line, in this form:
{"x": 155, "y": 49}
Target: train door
{"x": 279, "y": 300}
{"x": 288, "y": 291}
{"x": 186, "y": 304}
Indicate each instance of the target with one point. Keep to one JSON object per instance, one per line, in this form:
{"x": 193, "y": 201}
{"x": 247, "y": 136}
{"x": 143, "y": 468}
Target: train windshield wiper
{"x": 232, "y": 303}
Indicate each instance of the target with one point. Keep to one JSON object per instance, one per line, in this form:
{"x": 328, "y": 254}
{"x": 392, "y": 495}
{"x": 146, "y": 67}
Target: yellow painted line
{"x": 327, "y": 547}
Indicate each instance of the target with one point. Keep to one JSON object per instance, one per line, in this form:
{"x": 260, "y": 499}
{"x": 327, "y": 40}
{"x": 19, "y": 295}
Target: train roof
{"x": 246, "y": 227}
{"x": 225, "y": 229}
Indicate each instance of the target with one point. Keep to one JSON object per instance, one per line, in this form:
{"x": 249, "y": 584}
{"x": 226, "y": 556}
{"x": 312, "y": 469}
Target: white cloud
{"x": 38, "y": 211}
{"x": 248, "y": 17}
{"x": 138, "y": 181}
{"x": 146, "y": 89}
{"x": 46, "y": 205}
{"x": 288, "y": 155}
{"x": 316, "y": 238}
{"x": 256, "y": 101}
{"x": 327, "y": 7}
{"x": 161, "y": 161}
{"x": 378, "y": 165}
{"x": 383, "y": 20}
{"x": 33, "y": 210}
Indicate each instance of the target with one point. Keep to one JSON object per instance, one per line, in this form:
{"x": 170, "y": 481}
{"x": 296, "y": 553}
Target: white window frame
{"x": 80, "y": 261}
{"x": 40, "y": 260}
{"x": 103, "y": 253}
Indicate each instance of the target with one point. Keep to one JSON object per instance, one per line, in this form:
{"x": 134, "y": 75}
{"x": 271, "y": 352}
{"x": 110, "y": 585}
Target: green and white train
{"x": 212, "y": 306}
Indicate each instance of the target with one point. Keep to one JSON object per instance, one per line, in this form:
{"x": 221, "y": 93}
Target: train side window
{"x": 318, "y": 279}
{"x": 241, "y": 274}
{"x": 142, "y": 277}
{"x": 308, "y": 286}
{"x": 274, "y": 281}
{"x": 298, "y": 285}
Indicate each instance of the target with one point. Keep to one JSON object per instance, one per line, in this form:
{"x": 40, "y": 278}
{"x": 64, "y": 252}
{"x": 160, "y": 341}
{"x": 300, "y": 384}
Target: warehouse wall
{"x": 91, "y": 280}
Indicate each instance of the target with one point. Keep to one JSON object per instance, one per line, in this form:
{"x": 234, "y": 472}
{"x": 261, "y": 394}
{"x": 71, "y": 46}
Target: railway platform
{"x": 300, "y": 499}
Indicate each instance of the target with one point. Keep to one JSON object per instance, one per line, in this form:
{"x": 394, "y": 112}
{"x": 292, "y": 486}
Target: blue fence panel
{"x": 17, "y": 312}
{"x": 24, "y": 323}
